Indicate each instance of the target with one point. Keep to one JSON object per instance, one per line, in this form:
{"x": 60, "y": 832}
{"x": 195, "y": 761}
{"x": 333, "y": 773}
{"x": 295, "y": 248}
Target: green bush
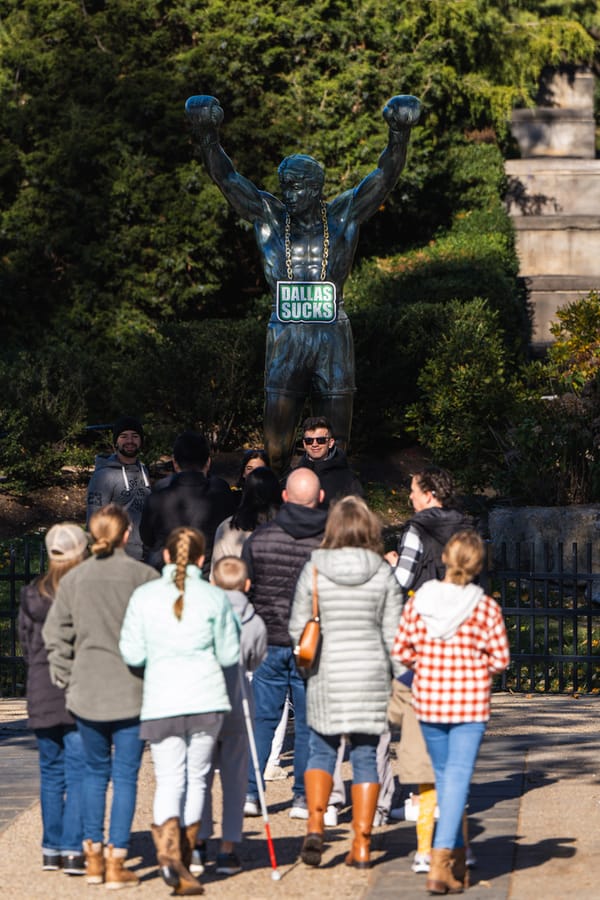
{"x": 466, "y": 392}
{"x": 204, "y": 375}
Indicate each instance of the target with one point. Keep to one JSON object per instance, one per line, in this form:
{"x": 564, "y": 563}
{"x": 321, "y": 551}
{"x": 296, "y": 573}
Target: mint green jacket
{"x": 183, "y": 658}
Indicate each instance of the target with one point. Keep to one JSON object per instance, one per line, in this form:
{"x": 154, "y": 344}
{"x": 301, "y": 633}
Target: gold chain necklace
{"x": 288, "y": 244}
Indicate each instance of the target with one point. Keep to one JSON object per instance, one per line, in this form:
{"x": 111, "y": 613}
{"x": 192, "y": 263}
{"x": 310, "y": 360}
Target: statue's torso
{"x": 306, "y": 248}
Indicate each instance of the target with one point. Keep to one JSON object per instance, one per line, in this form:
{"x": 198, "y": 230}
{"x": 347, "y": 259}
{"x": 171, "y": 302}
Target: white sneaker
{"x": 380, "y": 818}
{"x": 420, "y": 863}
{"x": 274, "y": 773}
{"x": 198, "y": 861}
{"x": 251, "y": 807}
{"x": 299, "y": 809}
{"x": 330, "y": 817}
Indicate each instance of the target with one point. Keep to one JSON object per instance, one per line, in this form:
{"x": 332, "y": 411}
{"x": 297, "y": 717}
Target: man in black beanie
{"x": 121, "y": 478}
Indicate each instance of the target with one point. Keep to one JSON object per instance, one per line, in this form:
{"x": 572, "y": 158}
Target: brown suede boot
{"x": 167, "y": 840}
{"x": 188, "y": 835}
{"x": 440, "y": 879}
{"x": 317, "y": 785}
{"x": 364, "y": 804}
{"x": 116, "y": 876}
{"x": 94, "y": 862}
{"x": 459, "y": 866}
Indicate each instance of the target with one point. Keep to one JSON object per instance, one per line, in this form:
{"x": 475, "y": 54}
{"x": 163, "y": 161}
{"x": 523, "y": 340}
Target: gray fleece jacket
{"x": 82, "y": 633}
{"x": 128, "y": 485}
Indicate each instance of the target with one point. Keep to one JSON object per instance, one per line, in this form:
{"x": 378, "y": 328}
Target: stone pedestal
{"x": 554, "y": 197}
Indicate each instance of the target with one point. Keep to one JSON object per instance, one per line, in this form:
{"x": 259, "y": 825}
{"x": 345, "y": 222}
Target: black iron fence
{"x": 19, "y": 564}
{"x": 550, "y": 597}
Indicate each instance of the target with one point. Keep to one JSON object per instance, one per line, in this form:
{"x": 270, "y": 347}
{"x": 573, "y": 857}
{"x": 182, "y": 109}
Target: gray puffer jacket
{"x": 360, "y": 604}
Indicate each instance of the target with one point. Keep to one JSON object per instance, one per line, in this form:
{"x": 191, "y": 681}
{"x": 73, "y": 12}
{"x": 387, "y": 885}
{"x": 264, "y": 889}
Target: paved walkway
{"x": 534, "y": 818}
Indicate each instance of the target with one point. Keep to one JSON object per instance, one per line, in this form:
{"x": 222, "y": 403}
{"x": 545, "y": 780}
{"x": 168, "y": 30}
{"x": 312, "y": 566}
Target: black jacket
{"x": 275, "y": 554}
{"x": 436, "y": 526}
{"x": 189, "y": 498}
{"x": 45, "y": 702}
{"x": 336, "y": 477}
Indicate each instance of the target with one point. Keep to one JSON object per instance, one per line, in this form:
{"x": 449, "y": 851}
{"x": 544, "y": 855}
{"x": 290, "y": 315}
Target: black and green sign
{"x": 306, "y": 301}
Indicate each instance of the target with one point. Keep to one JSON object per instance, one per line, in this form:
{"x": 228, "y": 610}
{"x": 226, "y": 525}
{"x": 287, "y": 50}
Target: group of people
{"x": 181, "y": 612}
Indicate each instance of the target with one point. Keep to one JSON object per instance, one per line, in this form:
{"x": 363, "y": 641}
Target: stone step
{"x": 558, "y": 245}
{"x": 552, "y": 187}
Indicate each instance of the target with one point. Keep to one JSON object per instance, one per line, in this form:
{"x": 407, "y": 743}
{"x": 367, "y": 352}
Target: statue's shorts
{"x": 303, "y": 358}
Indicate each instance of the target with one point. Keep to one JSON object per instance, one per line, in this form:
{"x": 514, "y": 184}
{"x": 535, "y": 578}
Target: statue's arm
{"x": 205, "y": 115}
{"x": 400, "y": 113}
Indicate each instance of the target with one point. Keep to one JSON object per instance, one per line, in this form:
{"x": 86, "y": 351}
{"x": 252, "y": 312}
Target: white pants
{"x": 181, "y": 766}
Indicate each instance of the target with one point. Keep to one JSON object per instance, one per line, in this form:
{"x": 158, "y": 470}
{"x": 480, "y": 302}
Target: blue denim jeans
{"x": 323, "y": 751}
{"x": 113, "y": 750}
{"x": 61, "y": 774}
{"x": 453, "y": 749}
{"x": 275, "y": 676}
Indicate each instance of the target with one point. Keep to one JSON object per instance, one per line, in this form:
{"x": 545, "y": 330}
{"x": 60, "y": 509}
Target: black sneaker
{"x": 51, "y": 861}
{"x": 228, "y": 864}
{"x": 73, "y": 863}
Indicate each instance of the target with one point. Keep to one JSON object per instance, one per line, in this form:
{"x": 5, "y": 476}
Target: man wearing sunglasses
{"x": 327, "y": 460}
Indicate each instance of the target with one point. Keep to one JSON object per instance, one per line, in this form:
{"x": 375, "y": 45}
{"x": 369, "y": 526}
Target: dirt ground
{"x": 42, "y": 507}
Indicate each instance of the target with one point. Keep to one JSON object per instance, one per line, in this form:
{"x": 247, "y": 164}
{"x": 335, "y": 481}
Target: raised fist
{"x": 204, "y": 112}
{"x": 402, "y": 111}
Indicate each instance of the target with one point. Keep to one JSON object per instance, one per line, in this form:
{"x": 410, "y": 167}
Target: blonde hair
{"x": 463, "y": 557}
{"x": 184, "y": 546}
{"x": 351, "y": 523}
{"x": 230, "y": 573}
{"x": 108, "y": 528}
{"x": 48, "y": 582}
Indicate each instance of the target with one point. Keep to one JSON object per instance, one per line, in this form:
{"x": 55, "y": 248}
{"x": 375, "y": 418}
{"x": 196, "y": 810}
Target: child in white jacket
{"x": 231, "y": 750}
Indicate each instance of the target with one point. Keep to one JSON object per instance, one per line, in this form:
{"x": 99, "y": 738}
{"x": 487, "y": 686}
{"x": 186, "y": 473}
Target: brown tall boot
{"x": 440, "y": 879}
{"x": 364, "y": 804}
{"x": 94, "y": 861}
{"x": 167, "y": 840}
{"x": 116, "y": 875}
{"x": 188, "y": 835}
{"x": 317, "y": 785}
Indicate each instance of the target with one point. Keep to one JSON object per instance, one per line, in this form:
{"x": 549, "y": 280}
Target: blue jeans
{"x": 323, "y": 750}
{"x": 102, "y": 765}
{"x": 61, "y": 774}
{"x": 275, "y": 676}
{"x": 453, "y": 749}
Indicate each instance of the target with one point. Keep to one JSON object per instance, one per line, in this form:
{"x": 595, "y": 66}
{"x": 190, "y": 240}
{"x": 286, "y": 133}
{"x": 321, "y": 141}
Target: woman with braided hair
{"x": 184, "y": 631}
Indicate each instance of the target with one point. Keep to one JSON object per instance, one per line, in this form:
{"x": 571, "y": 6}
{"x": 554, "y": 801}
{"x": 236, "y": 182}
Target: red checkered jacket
{"x": 453, "y": 677}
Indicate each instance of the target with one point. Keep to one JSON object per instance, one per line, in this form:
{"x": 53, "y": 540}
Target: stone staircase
{"x": 553, "y": 197}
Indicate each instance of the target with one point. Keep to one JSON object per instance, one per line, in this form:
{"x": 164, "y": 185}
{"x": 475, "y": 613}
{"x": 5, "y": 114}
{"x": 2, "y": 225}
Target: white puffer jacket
{"x": 359, "y": 604}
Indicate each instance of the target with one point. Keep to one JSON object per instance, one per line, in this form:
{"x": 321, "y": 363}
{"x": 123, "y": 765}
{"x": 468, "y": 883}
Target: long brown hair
{"x": 351, "y": 523}
{"x": 48, "y": 582}
{"x": 185, "y": 546}
{"x": 108, "y": 527}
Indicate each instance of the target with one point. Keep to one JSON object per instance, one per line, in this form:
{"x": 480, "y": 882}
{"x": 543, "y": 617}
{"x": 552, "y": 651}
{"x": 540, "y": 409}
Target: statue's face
{"x": 299, "y": 194}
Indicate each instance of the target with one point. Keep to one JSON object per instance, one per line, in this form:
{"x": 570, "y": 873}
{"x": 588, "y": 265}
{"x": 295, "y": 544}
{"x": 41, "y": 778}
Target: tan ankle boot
{"x": 364, "y": 804}
{"x": 441, "y": 879}
{"x": 167, "y": 840}
{"x": 94, "y": 862}
{"x": 458, "y": 859}
{"x": 317, "y": 785}
{"x": 116, "y": 876}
